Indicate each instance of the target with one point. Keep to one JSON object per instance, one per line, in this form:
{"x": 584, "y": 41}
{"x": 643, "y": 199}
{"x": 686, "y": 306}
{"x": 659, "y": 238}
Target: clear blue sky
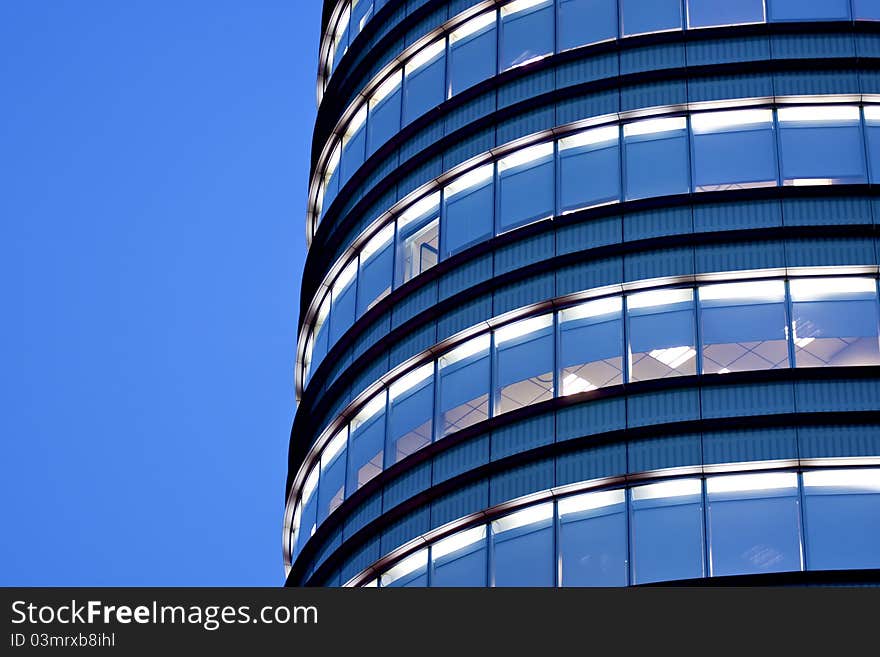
{"x": 153, "y": 173}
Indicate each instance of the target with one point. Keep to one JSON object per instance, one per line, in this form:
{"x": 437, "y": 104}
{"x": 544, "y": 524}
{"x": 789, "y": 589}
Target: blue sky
{"x": 154, "y": 161}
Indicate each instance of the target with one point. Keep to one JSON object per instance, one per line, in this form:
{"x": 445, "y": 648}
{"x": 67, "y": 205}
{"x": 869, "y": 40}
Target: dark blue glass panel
{"x": 384, "y": 117}
{"x": 464, "y": 386}
{"x": 366, "y": 445}
{"x": 461, "y": 560}
{"x": 361, "y": 13}
{"x": 661, "y": 334}
{"x": 412, "y": 572}
{"x": 589, "y": 169}
{"x": 667, "y": 531}
{"x": 872, "y": 134}
{"x": 473, "y": 53}
{"x": 592, "y": 536}
{"x": 704, "y": 13}
{"x": 307, "y": 522}
{"x": 523, "y": 553}
{"x": 353, "y": 151}
{"x": 525, "y": 190}
{"x": 591, "y": 346}
{"x": 411, "y": 415}
{"x": 331, "y": 485}
{"x": 525, "y": 363}
{"x": 343, "y": 306}
{"x": 821, "y": 144}
{"x": 808, "y": 10}
{"x": 733, "y": 150}
{"x": 866, "y": 10}
{"x": 331, "y": 189}
{"x": 656, "y": 162}
{"x": 376, "y": 270}
{"x": 469, "y": 213}
{"x": 526, "y": 34}
{"x": 586, "y": 21}
{"x": 640, "y": 16}
{"x": 424, "y": 88}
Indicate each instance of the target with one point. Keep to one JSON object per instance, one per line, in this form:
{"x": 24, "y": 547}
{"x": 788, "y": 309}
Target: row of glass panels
{"x": 473, "y": 52}
{"x": 734, "y": 149}
{"x": 739, "y": 524}
{"x": 711, "y": 329}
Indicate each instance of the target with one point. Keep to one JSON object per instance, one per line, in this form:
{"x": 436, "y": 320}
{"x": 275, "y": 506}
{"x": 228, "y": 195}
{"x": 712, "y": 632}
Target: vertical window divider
{"x": 496, "y": 199}
{"x": 628, "y": 511}
{"x": 802, "y": 520}
{"x": 493, "y": 374}
{"x": 447, "y": 68}
{"x": 557, "y": 546}
{"x": 627, "y": 356}
{"x": 698, "y": 337}
{"x": 789, "y": 325}
{"x": 863, "y": 134}
{"x": 777, "y": 138}
{"x": 685, "y": 15}
{"x": 557, "y": 339}
{"x": 692, "y": 158}
{"x": 435, "y": 411}
{"x": 429, "y": 570}
{"x": 490, "y": 556}
{"x": 557, "y": 181}
{"x": 386, "y": 431}
{"x": 707, "y": 549}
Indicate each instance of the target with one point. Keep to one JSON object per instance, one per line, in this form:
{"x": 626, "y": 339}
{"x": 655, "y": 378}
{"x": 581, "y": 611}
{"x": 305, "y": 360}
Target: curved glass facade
{"x": 593, "y": 300}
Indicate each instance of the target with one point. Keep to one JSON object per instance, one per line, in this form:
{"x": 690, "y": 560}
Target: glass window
{"x": 821, "y": 145}
{"x": 343, "y": 306}
{"x": 589, "y": 168}
{"x": 469, "y": 210}
{"x": 525, "y": 184}
{"x": 640, "y": 16}
{"x": 472, "y": 52}
{"x": 411, "y": 411}
{"x": 354, "y": 143}
{"x": 366, "y": 444}
{"x": 743, "y": 327}
{"x": 656, "y": 157}
{"x": 340, "y": 38}
{"x": 808, "y": 10}
{"x": 409, "y": 572}
{"x": 591, "y": 346}
{"x": 734, "y": 150}
{"x": 834, "y": 322}
{"x": 306, "y": 515}
{"x": 525, "y": 363}
{"x": 526, "y": 32}
{"x": 842, "y": 519}
{"x": 319, "y": 343}
{"x": 586, "y": 21}
{"x": 331, "y": 488}
{"x": 376, "y": 270}
{"x": 592, "y": 537}
{"x": 872, "y": 130}
{"x": 866, "y": 10}
{"x": 667, "y": 531}
{"x": 661, "y": 334}
{"x": 418, "y": 238}
{"x": 384, "y": 118}
{"x": 424, "y": 80}
{"x": 464, "y": 385}
{"x": 523, "y": 547}
{"x": 753, "y": 523}
{"x": 361, "y": 12}
{"x": 706, "y": 13}
{"x": 460, "y": 560}
{"x": 330, "y": 184}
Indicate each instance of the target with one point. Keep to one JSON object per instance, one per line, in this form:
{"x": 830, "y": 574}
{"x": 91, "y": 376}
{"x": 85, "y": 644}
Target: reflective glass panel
{"x": 343, "y": 305}
{"x": 330, "y": 185}
{"x": 410, "y": 572}
{"x": 523, "y": 547}
{"x": 591, "y": 346}
{"x": 525, "y": 180}
{"x": 384, "y": 118}
{"x": 866, "y": 9}
{"x": 667, "y": 531}
{"x": 361, "y": 12}
{"x": 331, "y": 486}
{"x": 661, "y": 334}
{"x": 469, "y": 210}
{"x": 705, "y": 13}
{"x": 526, "y": 32}
{"x": 872, "y": 135}
{"x": 354, "y": 143}
{"x": 734, "y": 150}
{"x": 377, "y": 263}
{"x": 340, "y": 38}
{"x": 424, "y": 81}
{"x": 835, "y": 322}
{"x": 525, "y": 363}
{"x": 808, "y": 10}
{"x": 464, "y": 385}
{"x": 306, "y": 514}
{"x": 821, "y": 145}
{"x": 589, "y": 168}
{"x": 586, "y": 21}
{"x": 743, "y": 327}
{"x": 460, "y": 560}
{"x": 656, "y": 157}
{"x": 753, "y": 523}
{"x": 418, "y": 238}
{"x": 320, "y": 334}
{"x": 592, "y": 536}
{"x": 411, "y": 413}
{"x": 640, "y": 16}
{"x": 472, "y": 52}
{"x": 366, "y": 443}
{"x": 842, "y": 519}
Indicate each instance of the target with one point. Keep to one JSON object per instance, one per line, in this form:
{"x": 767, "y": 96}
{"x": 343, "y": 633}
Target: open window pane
{"x": 821, "y": 145}
{"x": 656, "y": 157}
{"x": 376, "y": 269}
{"x": 384, "y": 118}
{"x": 472, "y": 52}
{"x": 464, "y": 385}
{"x": 366, "y": 444}
{"x": 734, "y": 150}
{"x": 331, "y": 487}
{"x": 409, "y": 572}
{"x": 667, "y": 531}
{"x": 705, "y": 13}
{"x": 354, "y": 143}
{"x": 641, "y": 16}
{"x": 842, "y": 519}
{"x": 343, "y": 305}
{"x": 525, "y": 180}
{"x": 743, "y": 327}
{"x": 411, "y": 413}
{"x": 834, "y": 322}
{"x": 589, "y": 168}
{"x": 661, "y": 334}
{"x": 591, "y": 346}
{"x": 586, "y": 21}
{"x": 592, "y": 537}
{"x": 525, "y": 363}
{"x": 424, "y": 81}
{"x": 418, "y": 238}
{"x": 460, "y": 560}
{"x": 523, "y": 547}
{"x": 753, "y": 523}
{"x": 808, "y": 10}
{"x": 469, "y": 210}
{"x": 526, "y": 32}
